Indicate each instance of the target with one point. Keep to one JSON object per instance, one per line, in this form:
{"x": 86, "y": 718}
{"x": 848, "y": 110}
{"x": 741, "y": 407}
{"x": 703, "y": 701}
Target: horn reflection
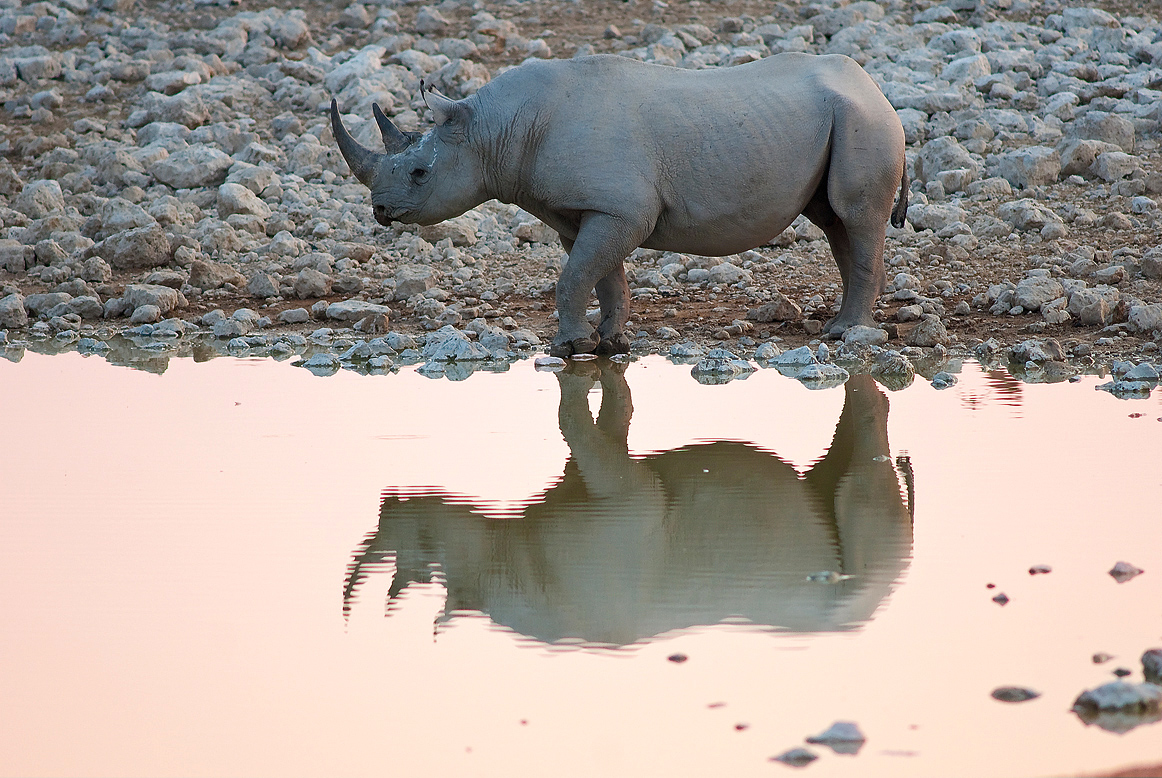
{"x": 623, "y": 549}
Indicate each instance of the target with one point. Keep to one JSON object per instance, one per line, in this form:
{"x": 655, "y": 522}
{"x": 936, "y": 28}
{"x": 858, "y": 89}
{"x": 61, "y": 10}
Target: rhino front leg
{"x": 602, "y": 243}
{"x": 613, "y": 295}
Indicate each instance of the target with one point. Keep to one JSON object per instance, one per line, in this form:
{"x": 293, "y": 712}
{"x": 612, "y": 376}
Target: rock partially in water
{"x": 549, "y": 363}
{"x": 1124, "y": 571}
{"x": 822, "y": 376}
{"x": 1119, "y": 706}
{"x": 720, "y": 366}
{"x": 843, "y": 737}
{"x": 1001, "y": 599}
{"x": 1040, "y": 570}
{"x": 322, "y": 364}
{"x": 796, "y": 757}
{"x": 943, "y": 380}
{"x": 1014, "y": 694}
{"x": 1102, "y": 657}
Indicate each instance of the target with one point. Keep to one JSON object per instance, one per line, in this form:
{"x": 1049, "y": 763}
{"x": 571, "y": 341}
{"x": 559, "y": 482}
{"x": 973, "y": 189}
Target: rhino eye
{"x": 418, "y": 175}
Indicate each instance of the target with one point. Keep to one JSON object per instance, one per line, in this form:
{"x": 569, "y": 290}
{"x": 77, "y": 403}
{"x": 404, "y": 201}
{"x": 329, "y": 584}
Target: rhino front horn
{"x": 363, "y": 161}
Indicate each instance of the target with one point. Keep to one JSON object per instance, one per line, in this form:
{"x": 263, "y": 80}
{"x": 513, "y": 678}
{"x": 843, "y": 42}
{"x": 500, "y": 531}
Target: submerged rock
{"x": 843, "y": 737}
{"x": 1124, "y": 571}
{"x": 796, "y": 757}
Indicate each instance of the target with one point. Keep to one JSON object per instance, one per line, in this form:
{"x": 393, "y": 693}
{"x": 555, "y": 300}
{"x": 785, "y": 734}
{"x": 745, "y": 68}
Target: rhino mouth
{"x": 385, "y": 215}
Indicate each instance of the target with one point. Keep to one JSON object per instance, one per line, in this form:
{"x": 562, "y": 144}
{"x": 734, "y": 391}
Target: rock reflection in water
{"x": 622, "y": 549}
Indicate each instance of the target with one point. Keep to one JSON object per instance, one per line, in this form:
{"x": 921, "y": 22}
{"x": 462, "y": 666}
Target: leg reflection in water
{"x": 622, "y": 549}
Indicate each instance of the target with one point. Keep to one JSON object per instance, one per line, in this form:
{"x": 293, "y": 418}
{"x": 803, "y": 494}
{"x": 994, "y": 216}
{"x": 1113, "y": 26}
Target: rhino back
{"x": 740, "y": 148}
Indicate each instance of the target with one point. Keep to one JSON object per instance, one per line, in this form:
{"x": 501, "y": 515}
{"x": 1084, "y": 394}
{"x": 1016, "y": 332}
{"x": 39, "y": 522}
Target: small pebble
{"x": 1122, "y": 672}
{"x": 1040, "y": 570}
{"x": 1014, "y": 694}
{"x": 1001, "y": 599}
{"x": 677, "y": 658}
{"x": 1101, "y": 657}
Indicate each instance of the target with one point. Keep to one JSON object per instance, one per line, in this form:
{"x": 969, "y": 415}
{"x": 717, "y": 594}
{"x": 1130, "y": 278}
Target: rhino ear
{"x": 444, "y": 109}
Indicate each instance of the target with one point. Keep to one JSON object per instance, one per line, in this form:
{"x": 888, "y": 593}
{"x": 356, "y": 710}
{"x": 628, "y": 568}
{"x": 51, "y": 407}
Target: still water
{"x": 238, "y": 568}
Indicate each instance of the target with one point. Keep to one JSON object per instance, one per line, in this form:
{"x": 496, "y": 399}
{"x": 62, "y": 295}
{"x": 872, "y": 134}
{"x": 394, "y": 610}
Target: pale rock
{"x": 1105, "y": 127}
{"x": 1027, "y": 214}
{"x": 965, "y": 70}
{"x": 40, "y": 198}
{"x": 861, "y": 335}
{"x": 198, "y": 165}
{"x": 728, "y": 273}
{"x": 412, "y": 280}
{"x": 355, "y": 310}
{"x": 206, "y": 274}
{"x": 1035, "y": 291}
{"x": 310, "y": 283}
{"x": 262, "y": 285}
{"x": 12, "y": 312}
{"x": 781, "y": 308}
{"x": 236, "y": 198}
{"x": 167, "y": 300}
{"x": 136, "y": 249}
{"x": 1030, "y": 166}
{"x": 929, "y": 332}
{"x": 1078, "y": 155}
{"x": 1146, "y": 318}
{"x": 944, "y": 153}
{"x": 1114, "y": 165}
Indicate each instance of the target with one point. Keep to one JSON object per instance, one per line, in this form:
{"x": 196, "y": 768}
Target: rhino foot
{"x": 616, "y": 343}
{"x": 567, "y": 349}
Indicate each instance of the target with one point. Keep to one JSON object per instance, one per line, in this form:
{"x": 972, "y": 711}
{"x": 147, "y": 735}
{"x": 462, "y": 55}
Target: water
{"x": 239, "y": 568}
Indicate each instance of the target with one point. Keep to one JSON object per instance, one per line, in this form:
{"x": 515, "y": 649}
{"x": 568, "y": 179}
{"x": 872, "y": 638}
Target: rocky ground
{"x": 170, "y": 185}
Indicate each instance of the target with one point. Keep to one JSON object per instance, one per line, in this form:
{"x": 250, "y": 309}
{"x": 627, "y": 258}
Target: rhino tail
{"x": 900, "y": 212}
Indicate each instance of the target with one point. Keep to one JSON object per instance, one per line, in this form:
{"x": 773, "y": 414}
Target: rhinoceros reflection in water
{"x": 622, "y": 549}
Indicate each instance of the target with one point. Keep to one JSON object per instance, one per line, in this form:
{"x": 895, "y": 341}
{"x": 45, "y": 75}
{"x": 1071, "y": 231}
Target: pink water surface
{"x": 173, "y": 551}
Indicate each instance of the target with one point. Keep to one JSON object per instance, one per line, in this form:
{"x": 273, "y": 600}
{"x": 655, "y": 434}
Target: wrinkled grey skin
{"x": 614, "y": 154}
{"x": 623, "y": 548}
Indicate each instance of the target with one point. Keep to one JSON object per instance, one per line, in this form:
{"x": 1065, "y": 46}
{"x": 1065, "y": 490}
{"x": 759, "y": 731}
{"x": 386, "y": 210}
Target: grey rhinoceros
{"x": 614, "y": 154}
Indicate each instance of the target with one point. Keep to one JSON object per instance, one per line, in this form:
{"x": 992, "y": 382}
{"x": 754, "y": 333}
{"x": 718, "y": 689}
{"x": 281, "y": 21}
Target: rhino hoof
{"x": 613, "y": 344}
{"x": 571, "y": 347}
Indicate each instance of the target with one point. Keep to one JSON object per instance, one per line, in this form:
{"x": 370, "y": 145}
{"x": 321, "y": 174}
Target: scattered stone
{"x": 677, "y": 658}
{"x": 1040, "y": 570}
{"x": 1001, "y": 599}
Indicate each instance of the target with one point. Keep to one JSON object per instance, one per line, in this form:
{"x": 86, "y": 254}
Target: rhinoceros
{"x": 614, "y": 154}
{"x": 623, "y": 548}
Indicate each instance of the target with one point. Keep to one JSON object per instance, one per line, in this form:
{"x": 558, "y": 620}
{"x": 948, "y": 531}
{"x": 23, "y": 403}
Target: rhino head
{"x": 418, "y": 178}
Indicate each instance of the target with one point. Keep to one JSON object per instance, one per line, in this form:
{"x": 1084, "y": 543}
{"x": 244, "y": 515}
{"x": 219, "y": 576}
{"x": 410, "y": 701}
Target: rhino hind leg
{"x": 852, "y": 312}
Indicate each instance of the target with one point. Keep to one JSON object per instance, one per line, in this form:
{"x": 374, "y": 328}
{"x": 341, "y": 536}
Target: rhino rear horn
{"x": 394, "y": 141}
{"x": 363, "y": 161}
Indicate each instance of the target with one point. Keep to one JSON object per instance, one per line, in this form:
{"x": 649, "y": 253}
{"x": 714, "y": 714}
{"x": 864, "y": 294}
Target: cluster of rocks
{"x": 158, "y": 171}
